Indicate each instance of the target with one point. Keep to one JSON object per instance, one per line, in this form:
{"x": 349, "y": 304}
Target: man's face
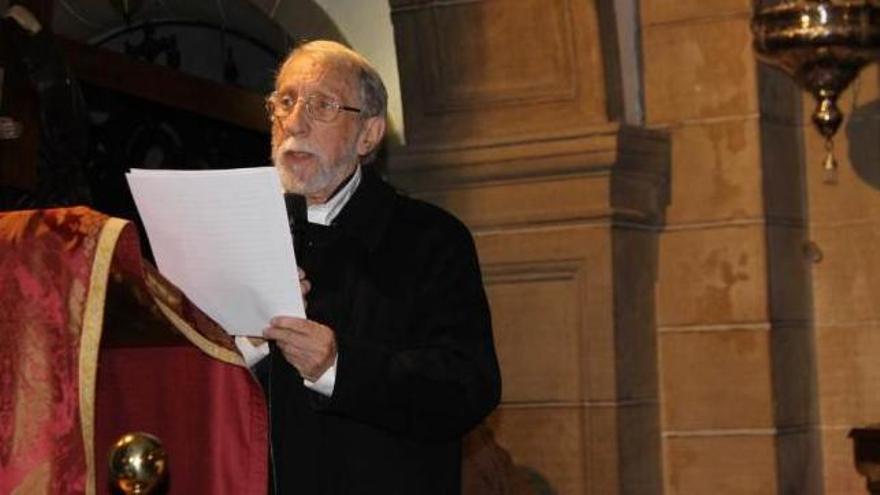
{"x": 313, "y": 158}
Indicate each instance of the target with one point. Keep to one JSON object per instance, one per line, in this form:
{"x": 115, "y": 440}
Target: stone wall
{"x": 766, "y": 313}
{"x": 713, "y": 292}
{"x": 845, "y": 227}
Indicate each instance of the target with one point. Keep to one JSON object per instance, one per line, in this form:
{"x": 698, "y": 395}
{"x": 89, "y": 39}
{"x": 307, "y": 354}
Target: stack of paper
{"x": 222, "y": 237}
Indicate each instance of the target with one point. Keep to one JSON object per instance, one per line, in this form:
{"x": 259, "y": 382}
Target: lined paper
{"x": 222, "y": 237}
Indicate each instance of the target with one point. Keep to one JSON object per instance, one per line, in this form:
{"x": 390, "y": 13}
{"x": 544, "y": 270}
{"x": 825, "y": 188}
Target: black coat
{"x": 399, "y": 282}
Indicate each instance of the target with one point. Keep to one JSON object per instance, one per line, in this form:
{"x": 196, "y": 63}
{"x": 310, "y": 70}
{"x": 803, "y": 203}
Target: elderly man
{"x": 373, "y": 392}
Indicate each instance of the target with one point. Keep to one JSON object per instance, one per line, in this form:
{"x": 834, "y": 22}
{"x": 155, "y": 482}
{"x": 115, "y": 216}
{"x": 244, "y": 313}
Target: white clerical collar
{"x": 326, "y": 212}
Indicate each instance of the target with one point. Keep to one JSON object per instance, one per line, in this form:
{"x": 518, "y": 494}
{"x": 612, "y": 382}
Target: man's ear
{"x": 372, "y": 133}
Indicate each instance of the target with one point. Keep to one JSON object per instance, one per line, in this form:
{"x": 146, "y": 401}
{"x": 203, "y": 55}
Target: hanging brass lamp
{"x": 822, "y": 45}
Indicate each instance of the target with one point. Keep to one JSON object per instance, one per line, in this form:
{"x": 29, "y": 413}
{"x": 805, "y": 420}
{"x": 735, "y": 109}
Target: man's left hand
{"x": 307, "y": 345}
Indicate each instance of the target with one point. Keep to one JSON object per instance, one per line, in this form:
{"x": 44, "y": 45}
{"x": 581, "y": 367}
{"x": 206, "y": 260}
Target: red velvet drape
{"x": 93, "y": 344}
{"x": 208, "y": 417}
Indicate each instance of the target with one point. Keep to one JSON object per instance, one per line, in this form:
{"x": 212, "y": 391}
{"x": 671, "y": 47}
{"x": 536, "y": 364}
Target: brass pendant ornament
{"x": 823, "y": 45}
{"x": 138, "y": 463}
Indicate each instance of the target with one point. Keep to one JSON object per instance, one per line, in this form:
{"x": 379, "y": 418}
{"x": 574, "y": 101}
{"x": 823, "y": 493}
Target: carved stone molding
{"x": 478, "y": 70}
{"x": 613, "y": 172}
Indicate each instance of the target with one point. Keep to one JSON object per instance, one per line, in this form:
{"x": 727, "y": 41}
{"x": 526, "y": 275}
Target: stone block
{"x": 699, "y": 71}
{"x": 581, "y": 254}
{"x": 712, "y": 276}
{"x": 662, "y": 11}
{"x": 848, "y": 373}
{"x": 548, "y": 442}
{"x": 716, "y": 379}
{"x": 847, "y": 278}
{"x": 721, "y": 464}
{"x": 537, "y": 334}
{"x": 716, "y": 173}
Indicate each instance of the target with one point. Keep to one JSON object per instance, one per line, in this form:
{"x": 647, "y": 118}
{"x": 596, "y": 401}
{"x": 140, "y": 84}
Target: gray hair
{"x": 373, "y": 95}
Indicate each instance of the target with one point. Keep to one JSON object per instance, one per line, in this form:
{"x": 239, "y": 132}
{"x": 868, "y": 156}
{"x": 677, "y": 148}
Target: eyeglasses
{"x": 318, "y": 107}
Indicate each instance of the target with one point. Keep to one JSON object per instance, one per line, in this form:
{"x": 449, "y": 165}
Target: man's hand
{"x": 308, "y": 346}
{"x": 10, "y": 128}
{"x": 304, "y": 285}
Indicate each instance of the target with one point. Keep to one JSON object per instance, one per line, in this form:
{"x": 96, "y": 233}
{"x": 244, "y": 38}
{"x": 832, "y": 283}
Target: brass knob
{"x": 137, "y": 463}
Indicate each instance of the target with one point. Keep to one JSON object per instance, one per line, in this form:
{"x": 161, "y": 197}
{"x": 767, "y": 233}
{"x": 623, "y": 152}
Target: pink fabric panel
{"x": 210, "y": 415}
{"x": 45, "y": 264}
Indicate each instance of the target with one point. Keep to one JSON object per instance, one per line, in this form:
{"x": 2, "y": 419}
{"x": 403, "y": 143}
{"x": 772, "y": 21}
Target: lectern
{"x": 94, "y": 343}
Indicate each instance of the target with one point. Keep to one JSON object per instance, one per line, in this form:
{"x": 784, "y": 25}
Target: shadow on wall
{"x": 863, "y": 134}
{"x": 489, "y": 469}
{"x": 538, "y": 483}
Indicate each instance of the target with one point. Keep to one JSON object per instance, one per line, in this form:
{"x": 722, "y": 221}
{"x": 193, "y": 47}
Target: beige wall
{"x": 845, "y": 226}
{"x": 713, "y": 314}
{"x": 766, "y": 314}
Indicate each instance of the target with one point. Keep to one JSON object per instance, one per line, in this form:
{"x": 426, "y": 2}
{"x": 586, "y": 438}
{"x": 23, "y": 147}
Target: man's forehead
{"x": 320, "y": 72}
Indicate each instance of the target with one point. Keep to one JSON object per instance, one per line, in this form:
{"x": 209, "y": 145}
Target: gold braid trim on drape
{"x": 92, "y": 329}
{"x": 210, "y": 348}
{"x": 90, "y": 339}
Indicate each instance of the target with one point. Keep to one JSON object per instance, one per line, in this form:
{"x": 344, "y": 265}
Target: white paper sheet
{"x": 222, "y": 237}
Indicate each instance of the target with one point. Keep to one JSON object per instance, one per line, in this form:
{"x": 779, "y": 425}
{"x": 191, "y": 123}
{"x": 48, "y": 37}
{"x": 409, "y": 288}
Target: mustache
{"x": 290, "y": 145}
